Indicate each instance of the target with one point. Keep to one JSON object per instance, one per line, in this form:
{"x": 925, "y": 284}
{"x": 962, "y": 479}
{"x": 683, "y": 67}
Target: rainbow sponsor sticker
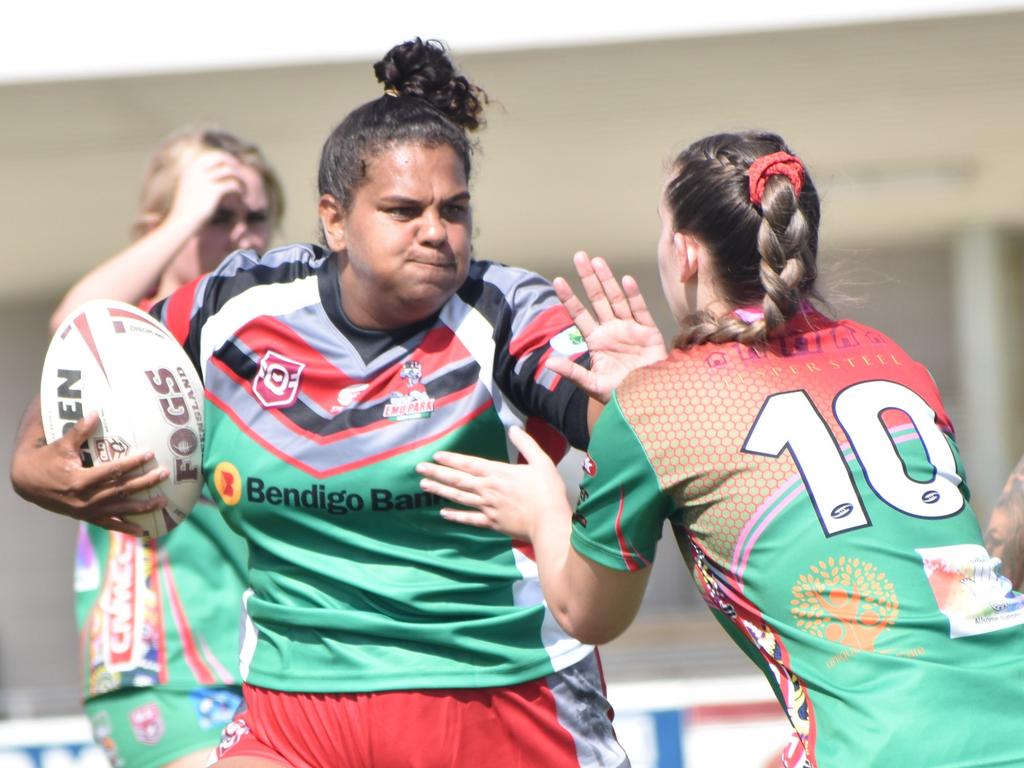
{"x": 970, "y": 591}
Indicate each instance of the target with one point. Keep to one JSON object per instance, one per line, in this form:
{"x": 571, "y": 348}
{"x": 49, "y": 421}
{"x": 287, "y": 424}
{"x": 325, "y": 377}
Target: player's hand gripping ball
{"x": 115, "y": 359}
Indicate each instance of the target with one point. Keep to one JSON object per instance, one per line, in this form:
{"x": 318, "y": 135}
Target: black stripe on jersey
{"x": 309, "y": 420}
{"x": 369, "y": 344}
{"x": 487, "y": 299}
{"x": 218, "y": 289}
{"x": 565, "y": 408}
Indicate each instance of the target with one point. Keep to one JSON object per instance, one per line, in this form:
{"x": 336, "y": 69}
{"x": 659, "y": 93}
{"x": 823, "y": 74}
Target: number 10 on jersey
{"x": 789, "y": 420}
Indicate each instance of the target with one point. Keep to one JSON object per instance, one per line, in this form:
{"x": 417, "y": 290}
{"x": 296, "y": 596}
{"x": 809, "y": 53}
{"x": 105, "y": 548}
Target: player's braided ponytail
{"x": 425, "y": 101}
{"x": 753, "y": 206}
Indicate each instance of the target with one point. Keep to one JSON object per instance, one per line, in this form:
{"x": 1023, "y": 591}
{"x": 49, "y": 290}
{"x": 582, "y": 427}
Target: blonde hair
{"x": 175, "y": 154}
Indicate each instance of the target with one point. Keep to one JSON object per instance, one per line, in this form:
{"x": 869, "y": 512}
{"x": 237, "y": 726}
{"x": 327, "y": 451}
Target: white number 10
{"x": 790, "y": 420}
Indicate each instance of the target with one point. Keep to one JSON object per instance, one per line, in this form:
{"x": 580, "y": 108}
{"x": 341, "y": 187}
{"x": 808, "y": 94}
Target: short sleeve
{"x": 622, "y": 509}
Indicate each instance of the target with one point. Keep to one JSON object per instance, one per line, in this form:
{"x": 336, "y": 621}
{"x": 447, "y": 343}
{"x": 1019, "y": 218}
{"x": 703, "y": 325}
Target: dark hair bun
{"x": 423, "y": 69}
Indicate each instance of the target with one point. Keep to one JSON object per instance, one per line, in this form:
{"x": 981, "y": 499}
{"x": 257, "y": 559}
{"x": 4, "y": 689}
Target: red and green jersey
{"x": 160, "y": 611}
{"x": 816, "y": 491}
{"x": 313, "y": 429}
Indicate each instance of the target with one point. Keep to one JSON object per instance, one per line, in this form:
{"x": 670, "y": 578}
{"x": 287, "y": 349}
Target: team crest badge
{"x": 277, "y": 382}
{"x": 147, "y": 724}
{"x": 414, "y": 404}
{"x": 589, "y": 465}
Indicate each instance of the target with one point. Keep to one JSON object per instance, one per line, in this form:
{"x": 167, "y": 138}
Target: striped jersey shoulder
{"x": 245, "y": 270}
{"x": 205, "y": 313}
{"x": 523, "y": 303}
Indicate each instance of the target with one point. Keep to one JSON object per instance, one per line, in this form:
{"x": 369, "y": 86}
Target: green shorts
{"x": 149, "y": 727}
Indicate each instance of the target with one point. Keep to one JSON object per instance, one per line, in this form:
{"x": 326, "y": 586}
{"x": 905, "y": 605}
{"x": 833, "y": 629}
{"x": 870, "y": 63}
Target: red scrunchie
{"x": 775, "y": 164}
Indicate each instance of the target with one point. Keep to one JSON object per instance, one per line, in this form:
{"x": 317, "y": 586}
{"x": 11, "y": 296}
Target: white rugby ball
{"x": 117, "y": 360}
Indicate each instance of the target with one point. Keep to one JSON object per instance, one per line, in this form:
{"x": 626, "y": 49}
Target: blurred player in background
{"x": 808, "y": 470}
{"x": 159, "y": 619}
{"x": 1004, "y": 535}
{"x": 377, "y": 634}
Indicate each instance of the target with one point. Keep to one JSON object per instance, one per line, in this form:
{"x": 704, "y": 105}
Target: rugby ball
{"x": 117, "y": 360}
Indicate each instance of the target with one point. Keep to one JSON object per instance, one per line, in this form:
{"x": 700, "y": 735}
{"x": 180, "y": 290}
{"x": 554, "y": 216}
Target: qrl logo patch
{"x": 277, "y": 383}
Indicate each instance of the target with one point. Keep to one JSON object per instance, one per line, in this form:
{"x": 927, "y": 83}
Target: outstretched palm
{"x": 620, "y": 334}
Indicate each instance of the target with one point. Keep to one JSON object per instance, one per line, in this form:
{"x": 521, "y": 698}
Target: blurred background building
{"x": 909, "y": 115}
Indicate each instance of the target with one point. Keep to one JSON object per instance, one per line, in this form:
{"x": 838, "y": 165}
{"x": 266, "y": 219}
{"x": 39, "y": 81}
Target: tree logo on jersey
{"x": 414, "y": 404}
{"x": 277, "y": 382}
{"x": 228, "y": 482}
{"x": 845, "y": 600}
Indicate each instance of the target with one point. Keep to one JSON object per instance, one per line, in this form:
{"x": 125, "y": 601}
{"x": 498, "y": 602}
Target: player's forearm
{"x": 592, "y": 603}
{"x": 29, "y": 438}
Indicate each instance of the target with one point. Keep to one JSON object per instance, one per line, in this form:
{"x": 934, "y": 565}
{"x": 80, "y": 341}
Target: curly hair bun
{"x": 422, "y": 69}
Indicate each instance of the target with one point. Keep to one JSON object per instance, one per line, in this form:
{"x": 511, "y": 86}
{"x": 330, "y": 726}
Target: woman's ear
{"x": 332, "y": 220}
{"x": 688, "y": 254}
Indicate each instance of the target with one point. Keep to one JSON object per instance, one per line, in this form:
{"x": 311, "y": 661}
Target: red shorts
{"x": 560, "y": 721}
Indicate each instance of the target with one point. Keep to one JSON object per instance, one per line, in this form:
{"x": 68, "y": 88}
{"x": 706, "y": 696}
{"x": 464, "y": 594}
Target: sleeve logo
{"x": 569, "y": 342}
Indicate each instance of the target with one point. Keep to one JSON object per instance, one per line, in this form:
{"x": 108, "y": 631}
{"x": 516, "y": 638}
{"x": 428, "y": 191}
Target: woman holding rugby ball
{"x": 377, "y": 633}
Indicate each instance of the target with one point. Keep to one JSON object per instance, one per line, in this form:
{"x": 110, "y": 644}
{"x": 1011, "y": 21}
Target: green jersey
{"x": 816, "y": 491}
{"x": 314, "y": 427}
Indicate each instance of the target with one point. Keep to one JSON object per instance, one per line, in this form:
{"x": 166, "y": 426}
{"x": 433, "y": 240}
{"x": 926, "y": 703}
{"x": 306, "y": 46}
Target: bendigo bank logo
{"x": 277, "y": 382}
{"x": 313, "y": 496}
{"x": 228, "y": 483}
{"x": 845, "y": 600}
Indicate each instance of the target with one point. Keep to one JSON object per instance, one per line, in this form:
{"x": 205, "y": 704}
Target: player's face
{"x": 1000, "y": 536}
{"x": 404, "y": 246}
{"x": 238, "y": 221}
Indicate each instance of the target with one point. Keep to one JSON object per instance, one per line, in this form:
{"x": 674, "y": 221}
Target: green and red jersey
{"x": 313, "y": 429}
{"x": 816, "y": 491}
